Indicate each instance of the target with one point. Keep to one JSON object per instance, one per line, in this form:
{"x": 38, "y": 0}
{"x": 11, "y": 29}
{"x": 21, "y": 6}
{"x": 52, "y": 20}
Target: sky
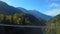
{"x": 48, "y": 7}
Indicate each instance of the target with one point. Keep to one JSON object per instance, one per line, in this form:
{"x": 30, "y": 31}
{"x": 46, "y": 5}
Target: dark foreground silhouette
{"x": 19, "y": 30}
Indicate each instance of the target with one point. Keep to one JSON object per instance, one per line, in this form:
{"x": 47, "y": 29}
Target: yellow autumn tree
{"x": 9, "y": 18}
{"x": 1, "y": 17}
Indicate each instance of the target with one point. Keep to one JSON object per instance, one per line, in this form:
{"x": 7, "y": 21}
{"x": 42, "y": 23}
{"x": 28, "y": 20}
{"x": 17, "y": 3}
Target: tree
{"x": 1, "y": 18}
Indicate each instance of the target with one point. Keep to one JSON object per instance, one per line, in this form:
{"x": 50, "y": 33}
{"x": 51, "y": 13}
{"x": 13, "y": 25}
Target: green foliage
{"x": 55, "y": 22}
{"x": 18, "y": 19}
{"x": 1, "y": 17}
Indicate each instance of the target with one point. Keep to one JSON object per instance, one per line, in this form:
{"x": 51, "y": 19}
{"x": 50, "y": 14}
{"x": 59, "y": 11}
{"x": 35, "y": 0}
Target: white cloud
{"x": 54, "y": 9}
{"x": 54, "y": 0}
{"x": 54, "y": 5}
{"x": 53, "y": 12}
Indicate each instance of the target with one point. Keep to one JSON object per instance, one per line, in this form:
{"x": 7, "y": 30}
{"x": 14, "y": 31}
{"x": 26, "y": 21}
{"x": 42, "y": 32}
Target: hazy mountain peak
{"x": 36, "y": 13}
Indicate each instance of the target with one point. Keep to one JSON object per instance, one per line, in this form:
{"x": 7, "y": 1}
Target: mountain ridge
{"x": 36, "y": 13}
{"x": 5, "y": 8}
{"x": 13, "y": 11}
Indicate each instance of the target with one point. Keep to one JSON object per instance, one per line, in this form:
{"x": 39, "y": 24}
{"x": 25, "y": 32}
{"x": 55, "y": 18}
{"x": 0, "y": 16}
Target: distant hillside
{"x": 39, "y": 15}
{"x": 55, "y": 22}
{"x": 7, "y": 9}
{"x": 36, "y": 13}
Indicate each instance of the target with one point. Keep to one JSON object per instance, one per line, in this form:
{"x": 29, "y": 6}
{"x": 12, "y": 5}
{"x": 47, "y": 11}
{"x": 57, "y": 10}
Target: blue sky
{"x": 49, "y": 7}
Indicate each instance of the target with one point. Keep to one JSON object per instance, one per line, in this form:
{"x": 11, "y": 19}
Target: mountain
{"x": 7, "y": 9}
{"x": 55, "y": 23}
{"x": 36, "y": 13}
{"x": 11, "y": 15}
{"x": 23, "y": 9}
{"x": 39, "y": 15}
{"x": 56, "y": 18}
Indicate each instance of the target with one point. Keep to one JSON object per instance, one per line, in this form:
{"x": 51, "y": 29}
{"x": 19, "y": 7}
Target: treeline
{"x": 20, "y": 19}
{"x": 14, "y": 19}
{"x": 54, "y": 25}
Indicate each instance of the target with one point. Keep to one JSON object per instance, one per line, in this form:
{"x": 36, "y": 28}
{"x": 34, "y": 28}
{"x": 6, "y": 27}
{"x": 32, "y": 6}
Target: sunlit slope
{"x": 54, "y": 25}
